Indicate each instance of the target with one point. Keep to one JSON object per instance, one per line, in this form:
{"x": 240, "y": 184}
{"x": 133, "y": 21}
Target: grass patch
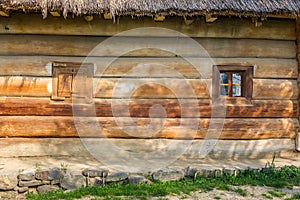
{"x": 287, "y": 176}
{"x": 294, "y": 197}
{"x": 276, "y": 193}
{"x": 240, "y": 191}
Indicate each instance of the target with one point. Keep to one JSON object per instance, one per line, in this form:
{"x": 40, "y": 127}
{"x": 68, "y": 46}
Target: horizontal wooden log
{"x": 146, "y": 88}
{"x": 25, "y": 86}
{"x": 275, "y": 89}
{"x": 32, "y": 147}
{"x": 144, "y": 46}
{"x": 247, "y": 128}
{"x": 152, "y": 88}
{"x": 141, "y": 107}
{"x": 148, "y": 67}
{"x": 223, "y": 27}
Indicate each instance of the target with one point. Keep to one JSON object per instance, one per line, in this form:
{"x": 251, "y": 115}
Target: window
{"x": 72, "y": 80}
{"x": 232, "y": 83}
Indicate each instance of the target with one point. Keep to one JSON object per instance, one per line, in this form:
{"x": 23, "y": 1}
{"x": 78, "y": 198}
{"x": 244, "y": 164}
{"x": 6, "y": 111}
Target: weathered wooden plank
{"x": 140, "y": 108}
{"x": 223, "y": 27}
{"x": 144, "y": 46}
{"x": 152, "y": 88}
{"x": 148, "y": 67}
{"x": 31, "y": 147}
{"x": 247, "y": 128}
{"x": 25, "y": 86}
{"x": 275, "y": 89}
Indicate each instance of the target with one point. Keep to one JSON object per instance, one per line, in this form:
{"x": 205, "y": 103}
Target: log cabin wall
{"x": 29, "y": 117}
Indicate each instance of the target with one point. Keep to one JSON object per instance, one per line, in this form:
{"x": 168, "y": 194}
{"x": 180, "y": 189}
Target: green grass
{"x": 288, "y": 176}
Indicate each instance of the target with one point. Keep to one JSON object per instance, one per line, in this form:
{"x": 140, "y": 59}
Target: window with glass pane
{"x": 232, "y": 81}
{"x": 231, "y": 84}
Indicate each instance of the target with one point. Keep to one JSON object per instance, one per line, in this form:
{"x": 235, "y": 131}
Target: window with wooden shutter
{"x": 72, "y": 81}
{"x": 232, "y": 83}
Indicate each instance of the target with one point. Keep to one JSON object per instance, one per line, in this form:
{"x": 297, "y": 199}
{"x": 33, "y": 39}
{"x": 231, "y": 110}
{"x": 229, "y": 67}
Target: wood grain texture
{"x": 140, "y": 108}
{"x": 25, "y": 86}
{"x": 31, "y": 147}
{"x": 275, "y": 89}
{"x": 37, "y": 126}
{"x": 144, "y": 46}
{"x": 148, "y": 67}
{"x": 223, "y": 27}
{"x": 146, "y": 87}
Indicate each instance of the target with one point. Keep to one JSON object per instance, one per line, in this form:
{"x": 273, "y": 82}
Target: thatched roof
{"x": 153, "y": 7}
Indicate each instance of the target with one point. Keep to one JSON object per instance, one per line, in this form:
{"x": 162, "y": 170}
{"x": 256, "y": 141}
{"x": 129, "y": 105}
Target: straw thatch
{"x": 152, "y": 7}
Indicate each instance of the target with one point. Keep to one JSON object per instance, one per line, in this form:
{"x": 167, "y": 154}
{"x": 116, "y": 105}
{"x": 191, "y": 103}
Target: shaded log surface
{"x": 73, "y": 147}
{"x": 140, "y": 108}
{"x": 37, "y": 126}
{"x": 143, "y": 46}
{"x": 223, "y": 27}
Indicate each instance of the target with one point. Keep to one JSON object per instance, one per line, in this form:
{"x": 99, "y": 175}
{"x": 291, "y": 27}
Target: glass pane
{"x": 236, "y": 91}
{"x": 236, "y": 78}
{"x": 237, "y": 83}
{"x": 223, "y": 78}
{"x": 223, "y": 88}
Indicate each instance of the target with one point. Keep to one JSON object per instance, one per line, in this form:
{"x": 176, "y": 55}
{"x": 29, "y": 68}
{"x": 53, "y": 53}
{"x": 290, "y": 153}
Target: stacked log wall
{"x": 29, "y": 44}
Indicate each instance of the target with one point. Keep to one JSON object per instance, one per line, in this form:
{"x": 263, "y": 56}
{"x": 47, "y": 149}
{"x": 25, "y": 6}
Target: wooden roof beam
{"x": 55, "y": 13}
{"x": 107, "y": 16}
{"x": 88, "y": 18}
{"x": 4, "y": 13}
{"x": 210, "y": 18}
{"x": 159, "y": 18}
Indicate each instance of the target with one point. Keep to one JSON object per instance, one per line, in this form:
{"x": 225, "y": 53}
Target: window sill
{"x": 233, "y": 101}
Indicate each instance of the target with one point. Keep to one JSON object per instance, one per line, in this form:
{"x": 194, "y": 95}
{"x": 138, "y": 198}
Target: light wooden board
{"x": 141, "y": 107}
{"x": 148, "y": 67}
{"x": 146, "y": 87}
{"x": 247, "y": 128}
{"x": 145, "y": 46}
{"x": 275, "y": 89}
{"x": 30, "y": 147}
{"x": 223, "y": 27}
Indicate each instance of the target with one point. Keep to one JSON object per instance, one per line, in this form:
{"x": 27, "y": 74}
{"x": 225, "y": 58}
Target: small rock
{"x": 30, "y": 183}
{"x": 95, "y": 182}
{"x": 72, "y": 182}
{"x": 46, "y": 188}
{"x": 117, "y": 176}
{"x": 95, "y": 172}
{"x": 136, "y": 179}
{"x": 42, "y": 175}
{"x": 27, "y": 175}
{"x": 8, "y": 182}
{"x": 9, "y": 195}
{"x": 21, "y": 189}
{"x": 168, "y": 174}
{"x": 55, "y": 182}
{"x": 296, "y": 189}
{"x": 55, "y": 174}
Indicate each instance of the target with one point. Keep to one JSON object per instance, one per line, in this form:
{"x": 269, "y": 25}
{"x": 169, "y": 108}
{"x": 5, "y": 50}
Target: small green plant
{"x": 217, "y": 197}
{"x": 37, "y": 167}
{"x": 63, "y": 166}
{"x": 241, "y": 191}
{"x": 294, "y": 197}
{"x": 276, "y": 193}
{"x": 267, "y": 196}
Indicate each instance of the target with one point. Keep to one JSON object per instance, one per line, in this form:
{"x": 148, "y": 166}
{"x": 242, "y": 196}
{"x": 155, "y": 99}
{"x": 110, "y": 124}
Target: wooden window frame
{"x": 85, "y": 95}
{"x": 246, "y": 84}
